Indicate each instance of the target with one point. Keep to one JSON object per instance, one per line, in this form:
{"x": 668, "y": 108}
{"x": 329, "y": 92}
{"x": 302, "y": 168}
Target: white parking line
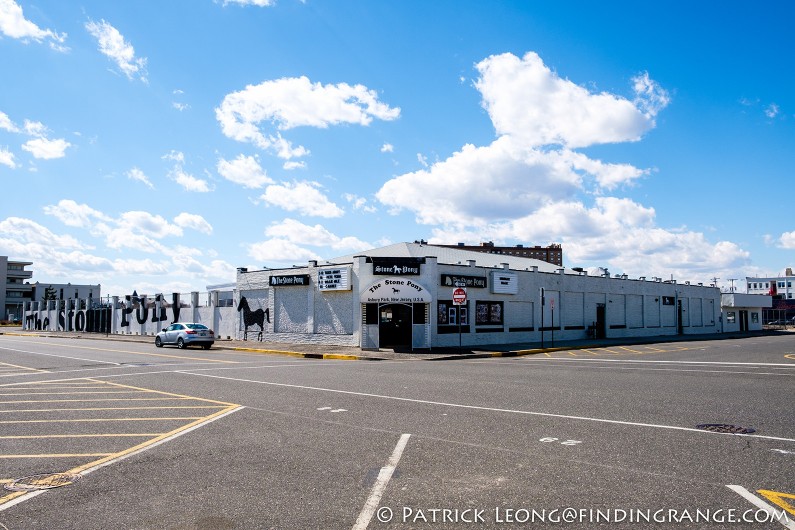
{"x": 477, "y": 407}
{"x": 762, "y": 505}
{"x": 380, "y": 485}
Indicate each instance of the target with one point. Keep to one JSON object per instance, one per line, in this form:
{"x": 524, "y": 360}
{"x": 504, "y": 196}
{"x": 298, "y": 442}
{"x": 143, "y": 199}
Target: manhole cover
{"x": 725, "y": 428}
{"x": 42, "y": 481}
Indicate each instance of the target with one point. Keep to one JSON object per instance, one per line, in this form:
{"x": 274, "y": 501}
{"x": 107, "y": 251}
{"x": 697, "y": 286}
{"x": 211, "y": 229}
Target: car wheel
{"x": 158, "y": 342}
{"x": 180, "y": 343}
{"x": 207, "y": 346}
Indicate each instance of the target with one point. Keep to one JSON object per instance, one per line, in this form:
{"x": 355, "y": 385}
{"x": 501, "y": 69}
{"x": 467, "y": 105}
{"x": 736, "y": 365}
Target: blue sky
{"x": 158, "y": 146}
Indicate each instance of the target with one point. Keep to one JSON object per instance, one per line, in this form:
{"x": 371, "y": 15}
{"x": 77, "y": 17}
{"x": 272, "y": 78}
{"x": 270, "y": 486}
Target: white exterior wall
{"x": 300, "y": 313}
{"x": 733, "y": 303}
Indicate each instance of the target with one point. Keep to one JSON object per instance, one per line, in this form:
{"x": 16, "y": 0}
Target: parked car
{"x": 185, "y": 334}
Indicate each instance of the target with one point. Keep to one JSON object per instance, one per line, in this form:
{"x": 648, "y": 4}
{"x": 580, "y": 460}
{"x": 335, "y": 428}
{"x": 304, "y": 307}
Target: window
{"x": 781, "y": 285}
{"x": 488, "y": 313}
{"x": 755, "y": 318}
{"x": 730, "y": 317}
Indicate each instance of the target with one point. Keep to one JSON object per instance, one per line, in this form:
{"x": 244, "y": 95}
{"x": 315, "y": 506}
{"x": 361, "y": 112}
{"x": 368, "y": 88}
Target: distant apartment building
{"x": 552, "y": 254}
{"x": 779, "y": 287}
{"x": 15, "y": 291}
{"x": 65, "y": 291}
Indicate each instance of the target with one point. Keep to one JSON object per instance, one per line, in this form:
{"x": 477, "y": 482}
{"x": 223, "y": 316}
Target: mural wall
{"x": 129, "y": 315}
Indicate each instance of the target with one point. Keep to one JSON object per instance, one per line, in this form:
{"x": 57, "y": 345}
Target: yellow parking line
{"x": 61, "y": 393}
{"x": 630, "y": 349}
{"x": 25, "y": 368}
{"x": 100, "y": 459}
{"x": 91, "y": 400}
{"x": 94, "y": 435}
{"x": 57, "y": 455}
{"x": 95, "y": 420}
{"x": 168, "y": 393}
{"x": 110, "y": 408}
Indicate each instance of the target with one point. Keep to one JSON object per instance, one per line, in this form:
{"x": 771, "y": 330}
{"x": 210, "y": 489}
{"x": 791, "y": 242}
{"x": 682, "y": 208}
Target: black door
{"x": 743, "y": 320}
{"x": 601, "y": 324}
{"x": 394, "y": 326}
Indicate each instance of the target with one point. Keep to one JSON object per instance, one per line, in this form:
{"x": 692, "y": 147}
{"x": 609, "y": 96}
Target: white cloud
{"x": 7, "y": 158}
{"x": 771, "y": 111}
{"x": 288, "y": 238}
{"x": 787, "y": 240}
{"x": 649, "y": 95}
{"x": 46, "y": 149}
{"x": 137, "y": 174}
{"x": 244, "y": 170}
{"x": 71, "y": 213}
{"x": 387, "y": 148}
{"x": 530, "y": 184}
{"x": 14, "y": 24}
{"x": 175, "y": 156}
{"x": 113, "y": 45}
{"x": 180, "y": 106}
{"x": 291, "y": 165}
{"x": 188, "y": 181}
{"x": 140, "y": 222}
{"x": 6, "y": 123}
{"x": 30, "y": 233}
{"x": 359, "y": 203}
{"x": 478, "y": 184}
{"x": 525, "y": 99}
{"x": 304, "y": 197}
{"x": 288, "y": 103}
{"x": 194, "y": 222}
{"x": 35, "y": 128}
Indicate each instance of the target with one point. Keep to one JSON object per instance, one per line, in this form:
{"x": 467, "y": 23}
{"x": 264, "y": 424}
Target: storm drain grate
{"x": 42, "y": 481}
{"x": 725, "y": 428}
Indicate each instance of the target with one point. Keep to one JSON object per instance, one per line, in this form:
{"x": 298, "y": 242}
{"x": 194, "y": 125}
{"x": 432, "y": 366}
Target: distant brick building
{"x": 551, "y": 254}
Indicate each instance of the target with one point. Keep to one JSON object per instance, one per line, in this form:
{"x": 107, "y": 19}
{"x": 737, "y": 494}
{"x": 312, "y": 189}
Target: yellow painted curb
{"x": 340, "y": 357}
{"x": 277, "y": 352}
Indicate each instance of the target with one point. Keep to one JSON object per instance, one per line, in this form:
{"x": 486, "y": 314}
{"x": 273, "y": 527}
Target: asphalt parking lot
{"x": 164, "y": 438}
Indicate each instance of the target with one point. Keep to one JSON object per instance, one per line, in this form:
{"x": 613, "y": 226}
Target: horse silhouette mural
{"x": 251, "y": 318}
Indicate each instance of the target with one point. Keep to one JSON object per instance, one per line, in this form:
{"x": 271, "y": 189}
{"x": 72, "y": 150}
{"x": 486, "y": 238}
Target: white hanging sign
{"x": 396, "y": 290}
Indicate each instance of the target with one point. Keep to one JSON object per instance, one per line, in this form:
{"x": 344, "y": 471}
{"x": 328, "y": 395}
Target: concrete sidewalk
{"x": 323, "y": 351}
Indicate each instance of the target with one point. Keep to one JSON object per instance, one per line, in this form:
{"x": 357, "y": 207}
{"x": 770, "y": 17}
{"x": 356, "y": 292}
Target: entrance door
{"x": 394, "y": 326}
{"x": 601, "y": 322}
{"x": 743, "y": 320}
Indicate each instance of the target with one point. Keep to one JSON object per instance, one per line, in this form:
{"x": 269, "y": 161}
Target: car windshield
{"x": 197, "y": 326}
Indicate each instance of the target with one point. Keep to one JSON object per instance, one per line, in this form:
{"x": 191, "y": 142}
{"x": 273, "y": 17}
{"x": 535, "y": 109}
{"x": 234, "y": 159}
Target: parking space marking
{"x": 8, "y": 369}
{"x": 183, "y": 357}
{"x": 777, "y": 498}
{"x": 83, "y": 392}
{"x": 762, "y": 505}
{"x": 617, "y": 350}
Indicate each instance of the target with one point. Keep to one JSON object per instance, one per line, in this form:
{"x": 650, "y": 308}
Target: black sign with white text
{"x": 397, "y": 266}
{"x": 293, "y": 279}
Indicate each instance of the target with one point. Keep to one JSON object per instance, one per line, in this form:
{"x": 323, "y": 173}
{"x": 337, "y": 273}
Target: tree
{"x": 49, "y": 294}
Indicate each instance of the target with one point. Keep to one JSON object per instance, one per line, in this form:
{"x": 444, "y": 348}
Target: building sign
{"x": 457, "y": 280}
{"x": 337, "y": 279}
{"x": 397, "y": 290}
{"x": 396, "y": 266}
{"x": 292, "y": 279}
{"x": 504, "y": 283}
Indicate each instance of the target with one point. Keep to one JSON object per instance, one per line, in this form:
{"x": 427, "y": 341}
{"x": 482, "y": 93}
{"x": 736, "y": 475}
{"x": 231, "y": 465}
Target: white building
{"x": 743, "y": 312}
{"x": 402, "y": 296}
{"x": 780, "y": 286}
